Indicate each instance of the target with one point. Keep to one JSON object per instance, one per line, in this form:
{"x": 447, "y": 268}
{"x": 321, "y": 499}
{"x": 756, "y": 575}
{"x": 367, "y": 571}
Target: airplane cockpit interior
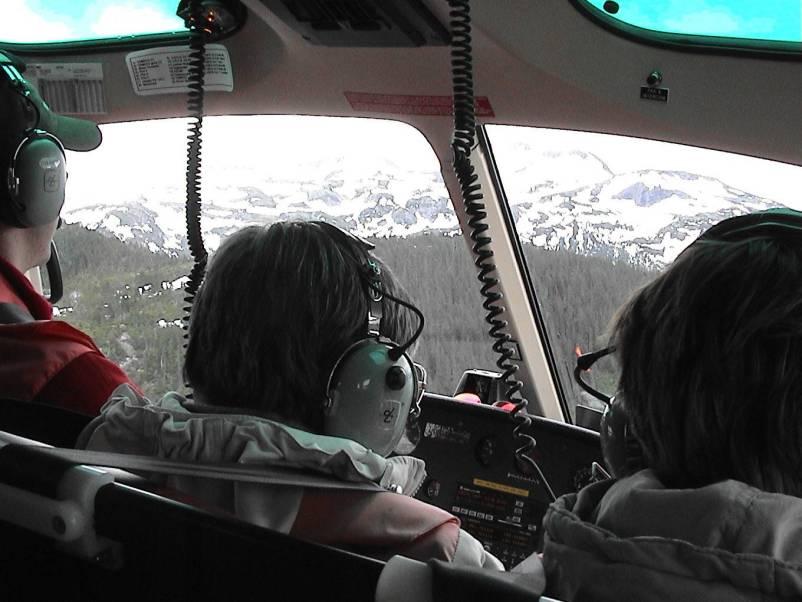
{"x": 523, "y": 167}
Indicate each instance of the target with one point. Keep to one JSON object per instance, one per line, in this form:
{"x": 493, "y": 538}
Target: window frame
{"x": 132, "y": 42}
{"x": 530, "y": 292}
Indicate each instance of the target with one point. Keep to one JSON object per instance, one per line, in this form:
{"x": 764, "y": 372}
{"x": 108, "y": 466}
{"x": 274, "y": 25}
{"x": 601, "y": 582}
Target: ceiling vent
{"x": 361, "y": 23}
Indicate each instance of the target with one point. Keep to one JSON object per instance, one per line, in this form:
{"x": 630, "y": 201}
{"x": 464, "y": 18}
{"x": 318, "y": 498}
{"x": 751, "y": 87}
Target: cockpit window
{"x": 599, "y": 215}
{"x": 124, "y": 251}
{"x": 768, "y": 24}
{"x": 42, "y": 21}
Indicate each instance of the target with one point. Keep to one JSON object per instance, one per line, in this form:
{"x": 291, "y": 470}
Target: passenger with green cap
{"x": 41, "y": 359}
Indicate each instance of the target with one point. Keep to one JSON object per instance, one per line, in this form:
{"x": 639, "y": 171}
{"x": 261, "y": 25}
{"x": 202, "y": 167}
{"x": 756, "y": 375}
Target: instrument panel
{"x": 472, "y": 471}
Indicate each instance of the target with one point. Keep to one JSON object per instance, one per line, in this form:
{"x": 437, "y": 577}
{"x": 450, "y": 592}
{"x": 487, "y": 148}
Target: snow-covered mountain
{"x": 570, "y": 200}
{"x": 644, "y": 217}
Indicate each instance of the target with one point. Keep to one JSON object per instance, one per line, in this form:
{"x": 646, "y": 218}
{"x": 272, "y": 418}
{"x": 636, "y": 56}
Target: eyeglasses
{"x": 583, "y": 364}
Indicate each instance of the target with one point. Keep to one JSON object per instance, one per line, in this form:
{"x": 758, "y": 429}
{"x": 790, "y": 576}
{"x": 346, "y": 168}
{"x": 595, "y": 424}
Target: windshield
{"x": 124, "y": 249}
{"x": 43, "y": 21}
{"x": 599, "y": 215}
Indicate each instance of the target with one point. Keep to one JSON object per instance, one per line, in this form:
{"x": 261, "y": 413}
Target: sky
{"x": 286, "y": 144}
{"x": 277, "y": 145}
{"x": 761, "y": 19}
{"x": 62, "y": 20}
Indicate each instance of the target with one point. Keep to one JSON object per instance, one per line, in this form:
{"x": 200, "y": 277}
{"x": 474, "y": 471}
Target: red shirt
{"x": 47, "y": 360}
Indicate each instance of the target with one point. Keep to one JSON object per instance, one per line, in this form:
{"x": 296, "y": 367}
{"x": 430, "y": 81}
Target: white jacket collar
{"x": 131, "y": 423}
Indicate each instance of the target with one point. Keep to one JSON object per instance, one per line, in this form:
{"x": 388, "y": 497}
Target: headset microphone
{"x": 621, "y": 450}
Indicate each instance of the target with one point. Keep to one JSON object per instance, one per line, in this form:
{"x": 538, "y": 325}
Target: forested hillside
{"x": 124, "y": 297}
{"x": 578, "y": 296}
{"x": 129, "y": 300}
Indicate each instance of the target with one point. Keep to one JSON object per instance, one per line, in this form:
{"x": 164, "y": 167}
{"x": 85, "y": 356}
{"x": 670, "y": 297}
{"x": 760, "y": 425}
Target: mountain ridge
{"x": 644, "y": 217}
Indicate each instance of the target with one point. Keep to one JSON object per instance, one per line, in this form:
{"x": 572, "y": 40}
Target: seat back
{"x": 49, "y": 424}
{"x": 166, "y": 550}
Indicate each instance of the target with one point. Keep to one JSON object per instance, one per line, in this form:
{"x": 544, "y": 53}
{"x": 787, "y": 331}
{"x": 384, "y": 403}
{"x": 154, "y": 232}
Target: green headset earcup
{"x": 37, "y": 178}
{"x": 370, "y": 395}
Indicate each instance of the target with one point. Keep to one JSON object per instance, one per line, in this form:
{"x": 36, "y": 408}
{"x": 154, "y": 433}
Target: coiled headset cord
{"x": 462, "y": 144}
{"x": 194, "y": 145}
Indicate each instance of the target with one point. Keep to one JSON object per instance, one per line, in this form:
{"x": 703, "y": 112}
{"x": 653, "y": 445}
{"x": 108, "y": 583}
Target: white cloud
{"x": 32, "y": 21}
{"x": 20, "y": 23}
{"x": 119, "y": 20}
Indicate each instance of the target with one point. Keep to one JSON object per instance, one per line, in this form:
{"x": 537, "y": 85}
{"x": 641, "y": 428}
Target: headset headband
{"x": 16, "y": 83}
{"x": 369, "y": 271}
{"x": 10, "y": 69}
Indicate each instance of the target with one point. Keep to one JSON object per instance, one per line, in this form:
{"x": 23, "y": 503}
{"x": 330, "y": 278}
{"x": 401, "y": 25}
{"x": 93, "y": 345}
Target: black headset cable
{"x": 194, "y": 144}
{"x": 462, "y": 144}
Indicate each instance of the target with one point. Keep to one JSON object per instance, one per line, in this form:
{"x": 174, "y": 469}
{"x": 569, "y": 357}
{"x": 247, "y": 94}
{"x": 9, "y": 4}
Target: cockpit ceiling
{"x": 538, "y": 62}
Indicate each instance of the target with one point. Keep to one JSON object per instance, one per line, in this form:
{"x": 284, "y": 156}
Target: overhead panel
{"x": 361, "y": 23}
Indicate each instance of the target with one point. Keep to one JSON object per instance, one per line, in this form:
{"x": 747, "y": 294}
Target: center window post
{"x": 535, "y": 360}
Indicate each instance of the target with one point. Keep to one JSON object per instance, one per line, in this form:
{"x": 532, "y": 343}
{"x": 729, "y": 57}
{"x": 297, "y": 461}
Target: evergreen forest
{"x": 130, "y": 301}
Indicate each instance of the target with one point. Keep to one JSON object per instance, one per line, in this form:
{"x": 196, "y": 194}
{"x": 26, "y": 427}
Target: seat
{"x": 156, "y": 548}
{"x": 41, "y": 422}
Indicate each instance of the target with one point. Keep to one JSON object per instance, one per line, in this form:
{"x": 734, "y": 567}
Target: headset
{"x": 34, "y": 187}
{"x": 621, "y": 448}
{"x": 374, "y": 389}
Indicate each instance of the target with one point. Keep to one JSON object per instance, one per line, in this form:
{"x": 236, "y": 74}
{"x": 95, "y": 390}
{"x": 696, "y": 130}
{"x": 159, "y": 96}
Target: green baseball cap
{"x": 22, "y": 108}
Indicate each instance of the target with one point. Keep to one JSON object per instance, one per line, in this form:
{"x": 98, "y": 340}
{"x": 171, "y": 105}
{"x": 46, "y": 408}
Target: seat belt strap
{"x": 224, "y": 471}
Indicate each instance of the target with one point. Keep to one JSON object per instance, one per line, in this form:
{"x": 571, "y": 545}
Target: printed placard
{"x": 166, "y": 70}
{"x": 69, "y": 88}
{"x": 656, "y": 94}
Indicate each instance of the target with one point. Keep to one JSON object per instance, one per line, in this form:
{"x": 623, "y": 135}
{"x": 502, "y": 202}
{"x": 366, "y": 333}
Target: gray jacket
{"x": 636, "y": 540}
{"x": 380, "y": 523}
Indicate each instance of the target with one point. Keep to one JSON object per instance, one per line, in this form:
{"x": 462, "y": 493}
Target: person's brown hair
{"x": 278, "y": 307}
{"x": 711, "y": 364}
